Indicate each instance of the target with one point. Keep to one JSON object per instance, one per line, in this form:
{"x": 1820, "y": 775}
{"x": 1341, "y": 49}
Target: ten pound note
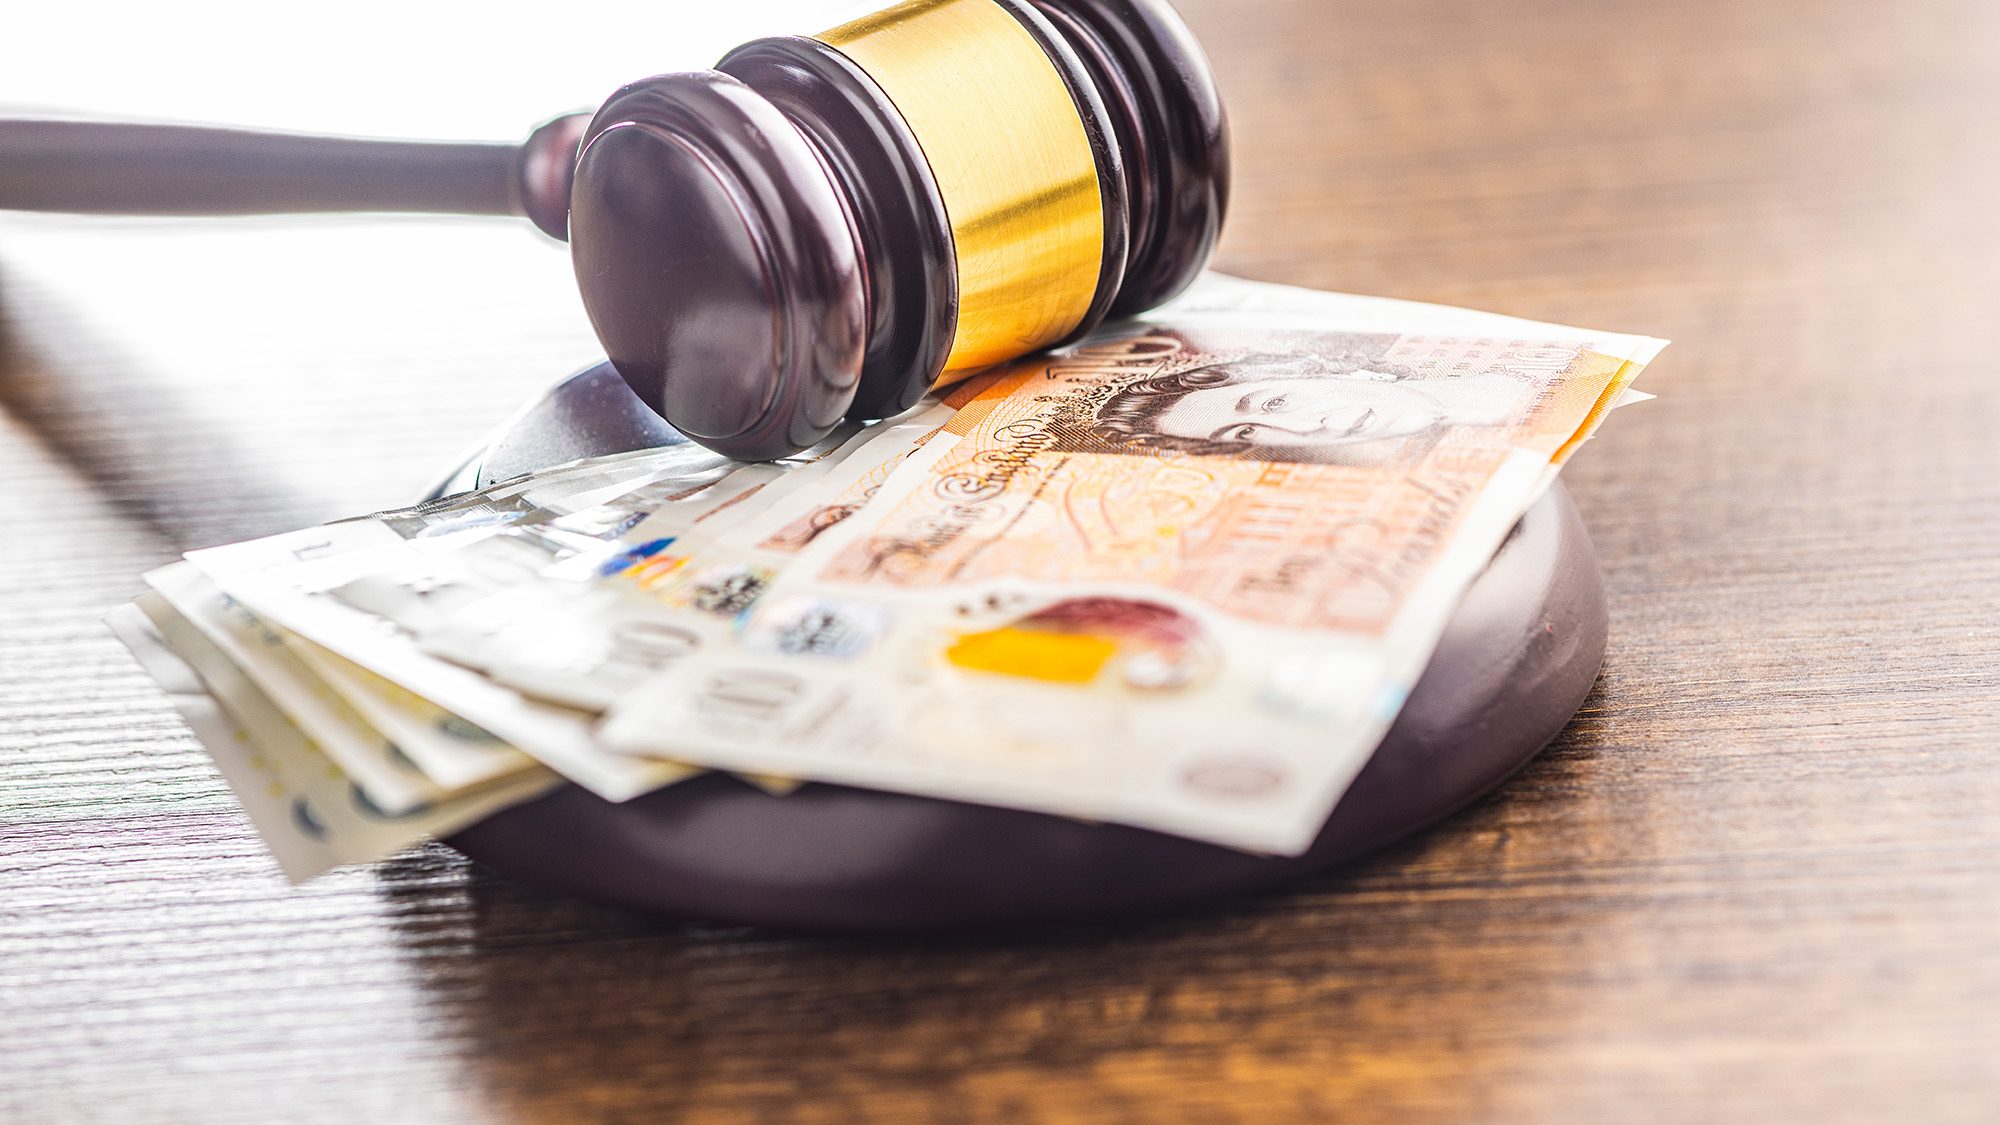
{"x": 1181, "y": 576}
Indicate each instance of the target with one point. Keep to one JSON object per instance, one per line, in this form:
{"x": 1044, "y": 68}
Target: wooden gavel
{"x": 818, "y": 229}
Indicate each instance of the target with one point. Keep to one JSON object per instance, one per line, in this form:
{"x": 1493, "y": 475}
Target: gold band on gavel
{"x": 1007, "y": 147}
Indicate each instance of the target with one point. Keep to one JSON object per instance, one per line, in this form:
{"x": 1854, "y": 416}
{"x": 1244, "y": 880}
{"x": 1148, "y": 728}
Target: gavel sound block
{"x": 1517, "y": 660}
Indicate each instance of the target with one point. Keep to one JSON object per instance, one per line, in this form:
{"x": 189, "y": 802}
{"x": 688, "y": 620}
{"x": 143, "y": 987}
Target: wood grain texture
{"x": 1758, "y": 879}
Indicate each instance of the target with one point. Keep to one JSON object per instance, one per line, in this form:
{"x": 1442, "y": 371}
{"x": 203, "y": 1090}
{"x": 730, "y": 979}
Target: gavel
{"x": 819, "y": 229}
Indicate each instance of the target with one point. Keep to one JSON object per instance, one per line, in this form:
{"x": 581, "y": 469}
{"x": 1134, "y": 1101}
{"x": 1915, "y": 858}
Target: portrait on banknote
{"x": 1330, "y": 398}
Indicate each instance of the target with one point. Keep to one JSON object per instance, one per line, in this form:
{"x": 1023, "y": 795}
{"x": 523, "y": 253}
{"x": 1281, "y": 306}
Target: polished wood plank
{"x": 1757, "y": 879}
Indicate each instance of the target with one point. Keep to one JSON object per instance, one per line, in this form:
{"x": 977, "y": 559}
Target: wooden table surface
{"x": 1757, "y": 879}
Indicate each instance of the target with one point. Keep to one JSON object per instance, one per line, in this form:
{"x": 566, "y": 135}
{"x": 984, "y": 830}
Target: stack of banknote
{"x": 1180, "y": 575}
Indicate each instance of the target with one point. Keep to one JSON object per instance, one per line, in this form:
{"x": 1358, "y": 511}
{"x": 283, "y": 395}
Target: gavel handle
{"x": 122, "y": 168}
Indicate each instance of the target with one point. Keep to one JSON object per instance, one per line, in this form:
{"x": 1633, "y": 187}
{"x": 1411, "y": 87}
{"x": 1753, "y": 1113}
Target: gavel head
{"x": 825, "y": 228}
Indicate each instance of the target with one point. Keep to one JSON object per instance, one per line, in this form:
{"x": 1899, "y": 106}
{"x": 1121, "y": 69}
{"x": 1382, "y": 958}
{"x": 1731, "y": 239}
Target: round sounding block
{"x": 1516, "y": 661}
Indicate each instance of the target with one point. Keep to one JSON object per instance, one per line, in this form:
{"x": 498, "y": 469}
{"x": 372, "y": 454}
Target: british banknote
{"x": 593, "y": 627}
{"x": 408, "y": 769}
{"x": 359, "y": 598}
{"x": 1181, "y": 576}
{"x": 283, "y": 582}
{"x": 308, "y": 810}
{"x": 391, "y": 779}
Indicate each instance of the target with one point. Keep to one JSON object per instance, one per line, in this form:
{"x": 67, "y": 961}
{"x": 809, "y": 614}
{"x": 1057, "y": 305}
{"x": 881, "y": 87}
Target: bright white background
{"x": 449, "y": 69}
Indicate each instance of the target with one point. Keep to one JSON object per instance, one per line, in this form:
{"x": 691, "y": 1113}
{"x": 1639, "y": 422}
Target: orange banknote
{"x": 1180, "y": 575}
{"x": 1298, "y": 478}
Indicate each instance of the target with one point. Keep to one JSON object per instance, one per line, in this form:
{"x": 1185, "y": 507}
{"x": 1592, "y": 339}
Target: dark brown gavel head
{"x": 825, "y": 228}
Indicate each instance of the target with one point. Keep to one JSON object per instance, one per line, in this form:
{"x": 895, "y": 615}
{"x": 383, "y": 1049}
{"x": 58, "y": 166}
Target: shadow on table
{"x": 142, "y": 446}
